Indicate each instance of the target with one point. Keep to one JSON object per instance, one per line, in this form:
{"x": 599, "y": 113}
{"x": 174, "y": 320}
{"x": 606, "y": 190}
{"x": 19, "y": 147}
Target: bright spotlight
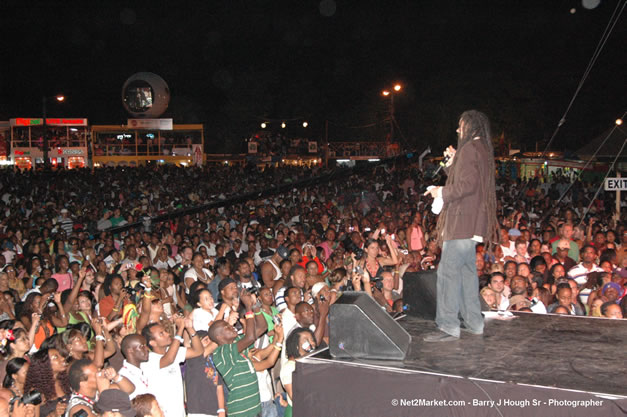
{"x": 305, "y": 124}
{"x": 264, "y": 125}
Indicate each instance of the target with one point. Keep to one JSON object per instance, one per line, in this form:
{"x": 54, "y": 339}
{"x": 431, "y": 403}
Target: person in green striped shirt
{"x": 230, "y": 359}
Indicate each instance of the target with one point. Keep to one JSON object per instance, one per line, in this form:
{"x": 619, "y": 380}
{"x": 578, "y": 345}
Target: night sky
{"x": 232, "y": 64}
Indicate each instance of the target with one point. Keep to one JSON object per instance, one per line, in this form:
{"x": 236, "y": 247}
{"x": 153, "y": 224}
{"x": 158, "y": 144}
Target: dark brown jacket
{"x": 466, "y": 209}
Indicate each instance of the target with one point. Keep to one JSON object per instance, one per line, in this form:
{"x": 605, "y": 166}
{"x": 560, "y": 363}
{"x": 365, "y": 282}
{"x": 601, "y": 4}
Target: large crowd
{"x": 205, "y": 314}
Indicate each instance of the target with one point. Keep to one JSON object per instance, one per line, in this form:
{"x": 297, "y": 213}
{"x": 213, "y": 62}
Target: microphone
{"x": 443, "y": 163}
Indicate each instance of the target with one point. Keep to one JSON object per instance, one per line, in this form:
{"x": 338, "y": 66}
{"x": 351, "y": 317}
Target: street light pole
{"x": 44, "y": 101}
{"x": 391, "y": 92}
{"x": 391, "y": 118}
{"x": 43, "y": 108}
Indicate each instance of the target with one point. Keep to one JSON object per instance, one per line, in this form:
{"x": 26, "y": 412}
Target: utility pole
{"x": 326, "y": 144}
{"x": 46, "y": 158}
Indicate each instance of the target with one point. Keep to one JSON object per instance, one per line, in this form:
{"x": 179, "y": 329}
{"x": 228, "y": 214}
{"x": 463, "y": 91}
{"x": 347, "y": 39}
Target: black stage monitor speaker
{"x": 360, "y": 329}
{"x": 419, "y": 293}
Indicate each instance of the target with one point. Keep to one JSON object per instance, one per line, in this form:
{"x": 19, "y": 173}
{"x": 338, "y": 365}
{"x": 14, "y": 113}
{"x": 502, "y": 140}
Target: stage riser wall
{"x": 333, "y": 389}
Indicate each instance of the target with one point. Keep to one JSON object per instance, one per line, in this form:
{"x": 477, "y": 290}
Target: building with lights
{"x": 144, "y": 141}
{"x": 67, "y": 140}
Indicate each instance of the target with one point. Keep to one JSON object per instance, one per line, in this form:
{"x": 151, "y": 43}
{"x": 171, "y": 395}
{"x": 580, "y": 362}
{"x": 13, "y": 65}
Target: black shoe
{"x": 439, "y": 337}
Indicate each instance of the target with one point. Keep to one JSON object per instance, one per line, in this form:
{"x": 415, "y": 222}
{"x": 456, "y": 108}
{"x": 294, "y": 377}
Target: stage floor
{"x": 574, "y": 353}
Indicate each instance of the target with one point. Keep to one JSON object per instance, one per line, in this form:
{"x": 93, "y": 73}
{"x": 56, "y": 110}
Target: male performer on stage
{"x": 467, "y": 218}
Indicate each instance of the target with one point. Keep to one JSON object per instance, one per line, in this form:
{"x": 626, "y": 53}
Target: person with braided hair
{"x": 47, "y": 374}
{"x": 468, "y": 217}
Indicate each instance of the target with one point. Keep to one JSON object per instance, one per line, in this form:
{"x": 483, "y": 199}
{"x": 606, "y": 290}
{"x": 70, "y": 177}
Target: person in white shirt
{"x": 301, "y": 343}
{"x": 154, "y": 246}
{"x": 497, "y": 284}
{"x": 204, "y": 312}
{"x": 162, "y": 259}
{"x": 135, "y": 352}
{"x": 74, "y": 253}
{"x": 580, "y": 271}
{"x": 131, "y": 255}
{"x": 520, "y": 247}
{"x": 296, "y": 278}
{"x": 507, "y": 241}
{"x": 162, "y": 369}
{"x": 197, "y": 272}
{"x": 293, "y": 296}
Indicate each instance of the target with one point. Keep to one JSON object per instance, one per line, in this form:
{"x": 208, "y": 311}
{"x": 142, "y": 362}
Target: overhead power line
{"x": 606, "y": 34}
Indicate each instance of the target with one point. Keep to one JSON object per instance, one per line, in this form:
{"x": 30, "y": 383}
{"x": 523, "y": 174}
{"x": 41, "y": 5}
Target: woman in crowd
{"x": 312, "y": 276}
{"x": 14, "y": 379}
{"x": 329, "y": 244}
{"x": 372, "y": 262}
{"x": 415, "y": 236}
{"x": 391, "y": 300}
{"x": 523, "y": 270}
{"x": 34, "y": 270}
{"x": 15, "y": 345}
{"x": 556, "y": 272}
{"x": 14, "y": 282}
{"x": 58, "y": 247}
{"x": 7, "y": 299}
{"x": 299, "y": 343}
{"x": 62, "y": 274}
{"x": 595, "y": 307}
{"x": 115, "y": 297}
{"x": 197, "y": 272}
{"x": 75, "y": 343}
{"x": 84, "y": 310}
{"x": 74, "y": 253}
{"x": 338, "y": 279}
{"x": 163, "y": 260}
{"x": 51, "y": 315}
{"x": 47, "y": 374}
{"x": 7, "y": 337}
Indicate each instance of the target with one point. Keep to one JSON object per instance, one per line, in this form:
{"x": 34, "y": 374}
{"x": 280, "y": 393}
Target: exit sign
{"x": 615, "y": 184}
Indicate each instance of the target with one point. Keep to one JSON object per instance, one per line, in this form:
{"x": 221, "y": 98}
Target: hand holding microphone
{"x": 449, "y": 154}
{"x": 436, "y": 192}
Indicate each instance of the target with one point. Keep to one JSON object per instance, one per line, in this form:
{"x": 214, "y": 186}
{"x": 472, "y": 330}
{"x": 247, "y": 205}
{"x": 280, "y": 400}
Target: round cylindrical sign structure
{"x": 145, "y": 95}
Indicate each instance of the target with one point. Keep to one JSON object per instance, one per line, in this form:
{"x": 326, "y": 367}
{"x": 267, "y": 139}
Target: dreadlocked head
{"x": 474, "y": 124}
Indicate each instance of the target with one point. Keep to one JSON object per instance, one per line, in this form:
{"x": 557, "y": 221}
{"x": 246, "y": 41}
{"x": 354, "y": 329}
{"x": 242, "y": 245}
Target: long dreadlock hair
{"x": 474, "y": 124}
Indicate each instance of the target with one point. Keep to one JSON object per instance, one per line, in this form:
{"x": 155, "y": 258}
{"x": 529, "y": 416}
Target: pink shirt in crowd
{"x": 65, "y": 281}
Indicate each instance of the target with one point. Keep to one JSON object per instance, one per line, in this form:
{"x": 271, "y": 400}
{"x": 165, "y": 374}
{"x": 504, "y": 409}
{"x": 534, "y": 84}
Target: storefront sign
{"x": 27, "y": 152}
{"x": 26, "y": 121}
{"x": 71, "y": 151}
{"x": 157, "y": 124}
{"x": 66, "y": 122}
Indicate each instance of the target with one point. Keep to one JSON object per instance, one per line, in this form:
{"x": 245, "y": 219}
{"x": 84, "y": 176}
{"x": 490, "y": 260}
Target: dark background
{"x": 232, "y": 64}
